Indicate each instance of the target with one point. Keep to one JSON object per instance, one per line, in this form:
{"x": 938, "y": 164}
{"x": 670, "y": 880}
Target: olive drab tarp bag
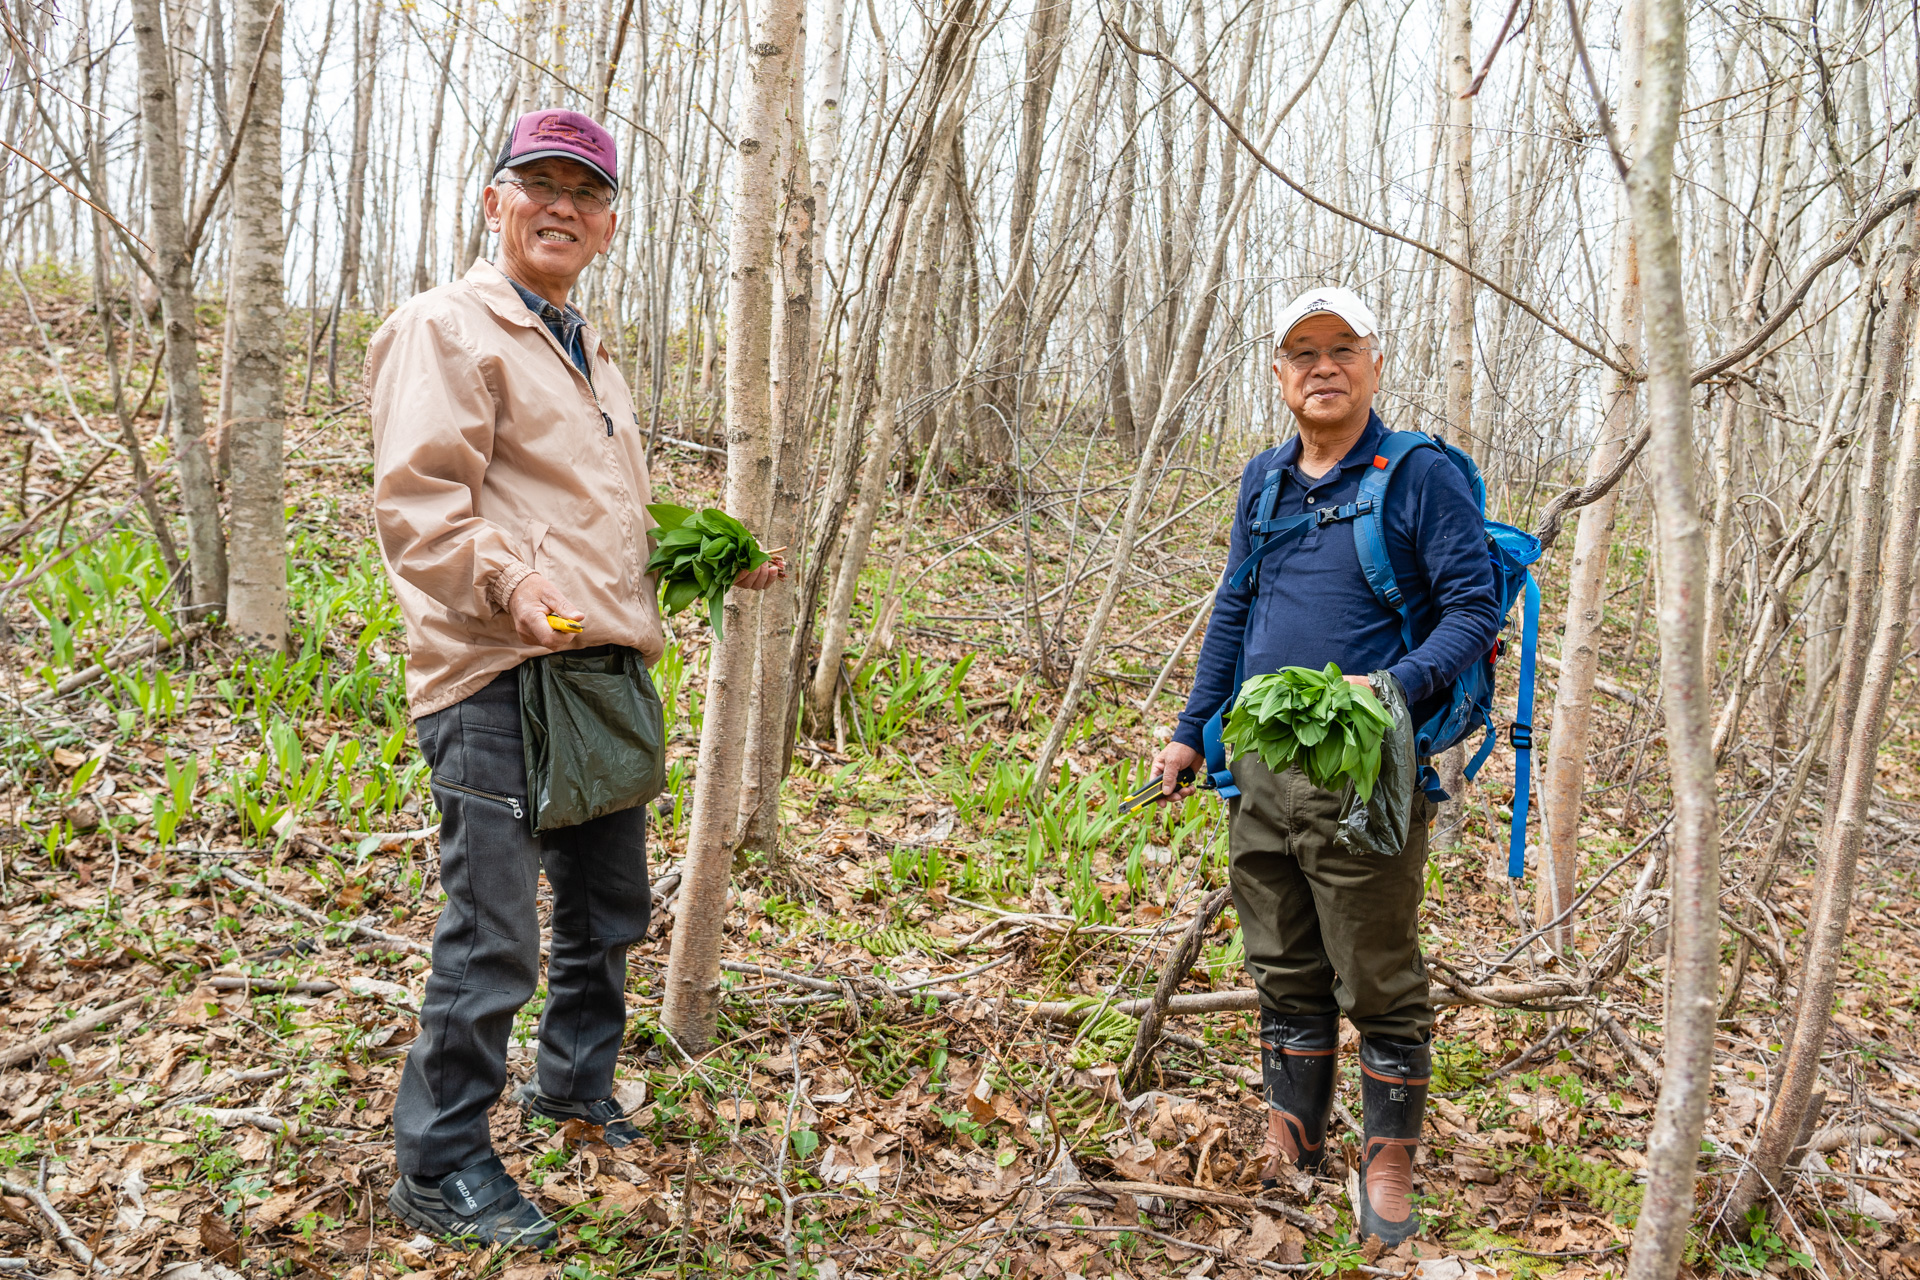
{"x": 1469, "y": 704}
{"x": 594, "y": 734}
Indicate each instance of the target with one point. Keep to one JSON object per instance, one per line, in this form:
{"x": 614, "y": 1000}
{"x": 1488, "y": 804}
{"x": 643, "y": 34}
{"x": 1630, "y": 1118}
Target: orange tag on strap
{"x": 1379, "y": 462}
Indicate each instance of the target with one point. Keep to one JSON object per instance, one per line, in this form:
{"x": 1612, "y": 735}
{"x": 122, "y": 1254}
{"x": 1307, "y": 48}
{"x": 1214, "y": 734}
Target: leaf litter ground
{"x": 890, "y": 1094}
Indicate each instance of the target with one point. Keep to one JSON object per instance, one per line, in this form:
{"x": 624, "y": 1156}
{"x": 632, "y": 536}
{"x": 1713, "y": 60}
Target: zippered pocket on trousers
{"x": 519, "y": 808}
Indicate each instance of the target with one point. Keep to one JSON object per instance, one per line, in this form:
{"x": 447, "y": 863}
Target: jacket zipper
{"x": 518, "y": 810}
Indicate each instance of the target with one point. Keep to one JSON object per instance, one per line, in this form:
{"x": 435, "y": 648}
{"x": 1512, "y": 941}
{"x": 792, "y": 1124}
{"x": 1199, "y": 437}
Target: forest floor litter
{"x": 217, "y": 890}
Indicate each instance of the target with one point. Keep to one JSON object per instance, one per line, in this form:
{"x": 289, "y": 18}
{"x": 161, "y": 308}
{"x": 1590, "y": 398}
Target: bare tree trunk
{"x": 1693, "y": 974}
{"x": 690, "y": 1008}
{"x": 1119, "y": 385}
{"x": 1458, "y": 242}
{"x": 769, "y": 736}
{"x": 173, "y": 268}
{"x": 1046, "y": 39}
{"x": 366, "y": 49}
{"x": 257, "y": 592}
{"x": 1852, "y": 781}
{"x": 1869, "y": 511}
{"x": 422, "y": 280}
{"x": 1566, "y": 765}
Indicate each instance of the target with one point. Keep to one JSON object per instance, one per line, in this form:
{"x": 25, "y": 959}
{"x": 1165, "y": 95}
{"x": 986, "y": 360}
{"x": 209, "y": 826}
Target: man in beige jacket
{"x": 510, "y": 485}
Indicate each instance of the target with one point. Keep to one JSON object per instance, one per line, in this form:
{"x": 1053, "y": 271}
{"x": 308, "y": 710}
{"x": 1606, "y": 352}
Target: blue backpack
{"x": 1469, "y": 704}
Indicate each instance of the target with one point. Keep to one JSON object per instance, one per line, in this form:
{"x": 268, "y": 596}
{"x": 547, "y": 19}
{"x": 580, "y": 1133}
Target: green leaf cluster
{"x": 1315, "y": 719}
{"x": 697, "y": 555}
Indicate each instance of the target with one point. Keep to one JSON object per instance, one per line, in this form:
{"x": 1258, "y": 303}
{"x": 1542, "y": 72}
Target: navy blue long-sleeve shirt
{"x": 1312, "y": 604}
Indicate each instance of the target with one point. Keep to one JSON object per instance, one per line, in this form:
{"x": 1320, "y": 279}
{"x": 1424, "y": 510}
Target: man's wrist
{"x": 504, "y": 583}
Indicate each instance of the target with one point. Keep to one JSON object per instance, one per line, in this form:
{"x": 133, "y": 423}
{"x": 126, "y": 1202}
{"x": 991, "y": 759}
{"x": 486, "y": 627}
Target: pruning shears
{"x": 567, "y": 625}
{"x": 1151, "y": 791}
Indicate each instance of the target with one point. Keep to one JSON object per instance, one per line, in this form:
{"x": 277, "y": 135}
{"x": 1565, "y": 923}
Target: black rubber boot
{"x": 615, "y": 1129}
{"x": 1297, "y": 1059}
{"x": 480, "y": 1204}
{"x": 1393, "y": 1090}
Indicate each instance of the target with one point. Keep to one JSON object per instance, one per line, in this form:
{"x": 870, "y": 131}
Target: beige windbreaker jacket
{"x": 492, "y": 458}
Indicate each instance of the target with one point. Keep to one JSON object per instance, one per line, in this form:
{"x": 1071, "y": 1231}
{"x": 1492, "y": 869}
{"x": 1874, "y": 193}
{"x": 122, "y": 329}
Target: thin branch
{"x": 1593, "y": 87}
{"x": 205, "y": 210}
{"x": 1260, "y": 157}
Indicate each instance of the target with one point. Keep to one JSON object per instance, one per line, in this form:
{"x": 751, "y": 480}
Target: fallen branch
{"x": 61, "y": 1231}
{"x": 308, "y": 913}
{"x": 266, "y": 1122}
{"x": 1618, "y": 692}
{"x": 1643, "y": 1062}
{"x": 1172, "y": 974}
{"x": 1864, "y": 1134}
{"x": 227, "y": 982}
{"x": 159, "y": 644}
{"x": 1195, "y": 1247}
{"x": 28, "y": 1050}
{"x": 1219, "y": 1199}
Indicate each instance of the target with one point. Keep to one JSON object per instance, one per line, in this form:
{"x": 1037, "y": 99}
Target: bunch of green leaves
{"x": 697, "y": 555}
{"x": 1316, "y": 719}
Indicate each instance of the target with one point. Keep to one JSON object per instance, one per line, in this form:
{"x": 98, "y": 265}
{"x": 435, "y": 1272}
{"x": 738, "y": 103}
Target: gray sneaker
{"x": 480, "y": 1204}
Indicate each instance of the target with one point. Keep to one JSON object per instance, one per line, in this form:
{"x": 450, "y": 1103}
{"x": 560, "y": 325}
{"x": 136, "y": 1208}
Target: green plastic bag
{"x": 1380, "y": 823}
{"x": 594, "y": 733}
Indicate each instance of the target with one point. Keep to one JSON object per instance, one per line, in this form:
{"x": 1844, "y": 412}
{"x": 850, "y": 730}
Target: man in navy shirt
{"x": 1328, "y": 931}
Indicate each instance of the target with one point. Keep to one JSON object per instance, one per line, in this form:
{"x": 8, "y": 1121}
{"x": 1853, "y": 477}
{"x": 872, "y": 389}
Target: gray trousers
{"x": 486, "y": 950}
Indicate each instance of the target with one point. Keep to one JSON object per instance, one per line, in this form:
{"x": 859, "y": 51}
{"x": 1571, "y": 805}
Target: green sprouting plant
{"x": 888, "y": 697}
{"x": 1105, "y": 1034}
{"x": 1084, "y": 898}
{"x": 1224, "y": 960}
{"x": 1762, "y": 1245}
{"x": 176, "y": 806}
{"x": 887, "y": 940}
{"x": 1339, "y": 1255}
{"x": 1607, "y": 1187}
{"x": 786, "y": 913}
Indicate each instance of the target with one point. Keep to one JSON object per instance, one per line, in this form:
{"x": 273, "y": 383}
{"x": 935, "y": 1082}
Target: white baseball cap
{"x": 1344, "y": 303}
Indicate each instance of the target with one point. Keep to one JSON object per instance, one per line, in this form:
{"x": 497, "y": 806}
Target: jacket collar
{"x": 504, "y": 300}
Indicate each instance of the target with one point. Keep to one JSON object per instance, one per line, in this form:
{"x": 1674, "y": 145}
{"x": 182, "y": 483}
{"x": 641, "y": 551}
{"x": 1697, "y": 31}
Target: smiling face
{"x": 546, "y": 248}
{"x": 1329, "y": 395}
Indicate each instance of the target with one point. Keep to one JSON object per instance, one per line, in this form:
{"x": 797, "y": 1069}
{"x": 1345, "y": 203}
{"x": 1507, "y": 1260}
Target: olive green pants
{"x": 1327, "y": 930}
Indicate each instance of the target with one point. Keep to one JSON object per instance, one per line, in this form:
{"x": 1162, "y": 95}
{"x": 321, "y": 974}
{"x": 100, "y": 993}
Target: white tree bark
{"x": 1566, "y": 763}
{"x": 1673, "y": 1147}
{"x": 257, "y": 588}
{"x": 1459, "y": 389}
{"x": 173, "y": 271}
{"x": 768, "y": 734}
{"x": 690, "y": 1007}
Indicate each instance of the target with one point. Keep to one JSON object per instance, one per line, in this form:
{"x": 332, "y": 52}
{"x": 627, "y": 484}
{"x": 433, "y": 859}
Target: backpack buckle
{"x": 1326, "y": 515}
{"x": 1520, "y": 736}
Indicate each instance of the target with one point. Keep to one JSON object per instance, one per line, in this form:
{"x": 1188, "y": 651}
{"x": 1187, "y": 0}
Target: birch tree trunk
{"x": 173, "y": 271}
{"x": 366, "y": 49}
{"x": 1693, "y": 974}
{"x": 690, "y": 1007}
{"x": 1459, "y": 390}
{"x": 995, "y": 426}
{"x": 769, "y": 736}
{"x": 422, "y": 280}
{"x": 1566, "y": 764}
{"x": 1840, "y": 844}
{"x": 1119, "y": 385}
{"x": 1869, "y": 511}
{"x": 257, "y": 591}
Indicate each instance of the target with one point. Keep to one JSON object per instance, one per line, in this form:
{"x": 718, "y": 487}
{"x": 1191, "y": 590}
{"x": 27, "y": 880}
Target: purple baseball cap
{"x": 566, "y": 135}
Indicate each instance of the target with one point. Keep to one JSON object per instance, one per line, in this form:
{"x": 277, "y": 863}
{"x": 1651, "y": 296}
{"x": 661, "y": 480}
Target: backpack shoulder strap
{"x": 1370, "y": 530}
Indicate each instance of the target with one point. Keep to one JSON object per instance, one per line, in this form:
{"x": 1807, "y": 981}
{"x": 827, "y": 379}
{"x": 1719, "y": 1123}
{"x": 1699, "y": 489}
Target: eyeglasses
{"x": 1304, "y": 359}
{"x": 545, "y": 191}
